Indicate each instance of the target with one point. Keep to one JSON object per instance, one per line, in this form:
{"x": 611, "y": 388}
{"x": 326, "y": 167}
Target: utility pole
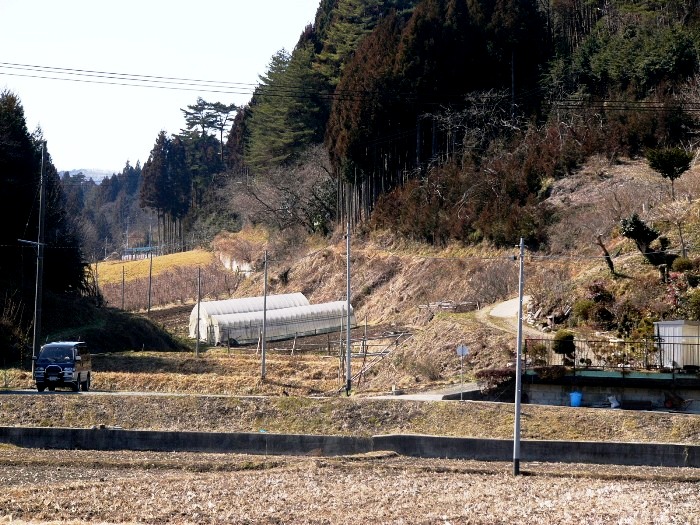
{"x": 348, "y": 371}
{"x": 518, "y": 366}
{"x": 150, "y": 278}
{"x": 123, "y": 285}
{"x": 512, "y": 83}
{"x": 263, "y": 372}
{"x": 150, "y": 267}
{"x": 39, "y": 261}
{"x": 199, "y": 301}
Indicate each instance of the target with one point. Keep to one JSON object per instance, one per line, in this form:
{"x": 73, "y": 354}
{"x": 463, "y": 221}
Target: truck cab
{"x": 63, "y": 364}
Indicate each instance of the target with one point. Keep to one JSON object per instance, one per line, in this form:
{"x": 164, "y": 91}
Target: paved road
{"x": 508, "y": 308}
{"x": 504, "y": 316}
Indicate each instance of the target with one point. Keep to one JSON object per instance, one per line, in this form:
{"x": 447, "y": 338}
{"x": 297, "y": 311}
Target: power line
{"x": 159, "y": 82}
{"x": 123, "y": 76}
{"x": 123, "y": 84}
{"x": 281, "y": 89}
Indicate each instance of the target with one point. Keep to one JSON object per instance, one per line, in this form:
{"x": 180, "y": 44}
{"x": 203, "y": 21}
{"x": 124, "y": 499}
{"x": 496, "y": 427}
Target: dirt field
{"x": 108, "y": 487}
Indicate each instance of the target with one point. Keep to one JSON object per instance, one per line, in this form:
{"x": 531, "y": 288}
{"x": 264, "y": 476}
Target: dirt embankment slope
{"x": 399, "y": 285}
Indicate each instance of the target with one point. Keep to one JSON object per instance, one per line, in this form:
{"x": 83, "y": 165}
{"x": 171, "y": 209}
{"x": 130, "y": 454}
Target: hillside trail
{"x": 503, "y": 316}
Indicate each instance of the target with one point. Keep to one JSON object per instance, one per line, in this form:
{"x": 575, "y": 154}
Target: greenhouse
{"x": 240, "y": 306}
{"x": 282, "y": 323}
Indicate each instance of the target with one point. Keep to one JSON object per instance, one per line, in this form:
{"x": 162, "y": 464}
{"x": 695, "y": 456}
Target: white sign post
{"x": 462, "y": 351}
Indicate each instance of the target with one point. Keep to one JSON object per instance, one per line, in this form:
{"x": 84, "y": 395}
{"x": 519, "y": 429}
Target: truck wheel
{"x": 76, "y": 386}
{"x": 52, "y": 388}
{"x": 85, "y": 385}
{"x": 40, "y": 387}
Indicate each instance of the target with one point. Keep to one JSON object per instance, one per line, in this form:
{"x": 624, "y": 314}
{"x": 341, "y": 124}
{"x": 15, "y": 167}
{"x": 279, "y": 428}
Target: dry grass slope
{"x": 221, "y": 392}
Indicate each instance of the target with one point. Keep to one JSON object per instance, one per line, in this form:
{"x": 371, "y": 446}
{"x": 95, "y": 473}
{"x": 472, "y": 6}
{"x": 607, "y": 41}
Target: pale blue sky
{"x": 97, "y": 126}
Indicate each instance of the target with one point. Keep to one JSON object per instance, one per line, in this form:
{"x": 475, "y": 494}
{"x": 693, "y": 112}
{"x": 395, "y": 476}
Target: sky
{"x": 91, "y": 123}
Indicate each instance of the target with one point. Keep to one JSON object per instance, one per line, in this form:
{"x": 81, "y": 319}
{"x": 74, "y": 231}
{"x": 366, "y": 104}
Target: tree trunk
{"x": 606, "y": 255}
{"x": 680, "y": 234}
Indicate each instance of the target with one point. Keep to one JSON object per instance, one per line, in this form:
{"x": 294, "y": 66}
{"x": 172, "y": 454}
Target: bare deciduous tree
{"x": 675, "y": 213}
{"x": 495, "y": 281}
{"x": 302, "y": 195}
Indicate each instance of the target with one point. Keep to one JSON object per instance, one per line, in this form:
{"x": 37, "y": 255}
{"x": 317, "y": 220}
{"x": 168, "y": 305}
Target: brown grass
{"x": 223, "y": 392}
{"x": 144, "y": 487}
{"x": 110, "y": 272}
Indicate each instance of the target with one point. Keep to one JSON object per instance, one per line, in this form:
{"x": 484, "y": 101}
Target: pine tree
{"x": 167, "y": 186}
{"x": 347, "y": 23}
{"x": 671, "y": 163}
{"x": 205, "y": 117}
{"x": 154, "y": 176}
{"x": 288, "y": 112}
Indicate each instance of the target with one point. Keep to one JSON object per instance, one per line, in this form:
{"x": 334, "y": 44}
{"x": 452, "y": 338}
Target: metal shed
{"x": 283, "y": 323}
{"x": 679, "y": 343}
{"x": 239, "y": 306}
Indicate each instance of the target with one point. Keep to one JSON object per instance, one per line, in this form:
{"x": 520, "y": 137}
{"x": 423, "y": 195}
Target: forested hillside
{"x": 440, "y": 120}
{"x": 24, "y": 162}
{"x": 436, "y": 118}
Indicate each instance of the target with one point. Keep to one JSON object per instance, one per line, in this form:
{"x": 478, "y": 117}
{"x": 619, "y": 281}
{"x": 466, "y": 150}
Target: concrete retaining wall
{"x": 653, "y": 454}
{"x": 243, "y": 443}
{"x": 598, "y": 395}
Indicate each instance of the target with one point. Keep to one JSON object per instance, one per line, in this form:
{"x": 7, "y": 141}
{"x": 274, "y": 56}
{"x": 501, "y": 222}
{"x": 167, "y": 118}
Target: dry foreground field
{"x": 127, "y": 487}
{"x": 72, "y": 486}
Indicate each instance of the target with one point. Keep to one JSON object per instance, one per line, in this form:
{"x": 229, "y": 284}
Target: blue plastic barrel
{"x": 576, "y": 398}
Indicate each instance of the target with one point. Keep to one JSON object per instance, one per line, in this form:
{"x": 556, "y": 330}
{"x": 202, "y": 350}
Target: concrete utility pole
{"x": 263, "y": 372}
{"x": 518, "y": 366}
{"x": 199, "y": 301}
{"x": 36, "y": 343}
{"x": 348, "y": 372}
{"x": 123, "y": 285}
{"x": 150, "y": 278}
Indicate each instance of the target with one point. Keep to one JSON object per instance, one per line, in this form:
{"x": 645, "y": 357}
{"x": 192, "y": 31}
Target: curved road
{"x": 504, "y": 316}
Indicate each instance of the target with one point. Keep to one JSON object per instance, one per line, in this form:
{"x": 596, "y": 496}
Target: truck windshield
{"x": 56, "y": 354}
